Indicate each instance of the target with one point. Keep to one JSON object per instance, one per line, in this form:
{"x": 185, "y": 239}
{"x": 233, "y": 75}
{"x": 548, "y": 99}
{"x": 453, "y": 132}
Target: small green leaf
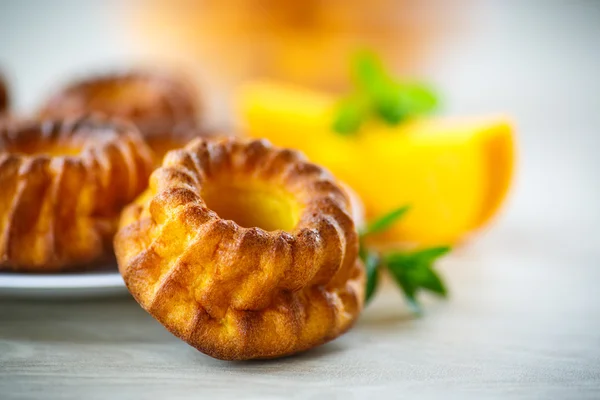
{"x": 397, "y": 259}
{"x": 372, "y": 264}
{"x": 423, "y": 98}
{"x": 385, "y": 222}
{"x": 368, "y": 72}
{"x": 393, "y": 106}
{"x": 413, "y": 271}
{"x": 381, "y": 95}
{"x": 431, "y": 281}
{"x": 429, "y": 255}
{"x": 408, "y": 288}
{"x": 350, "y": 114}
{"x": 397, "y": 102}
{"x": 371, "y": 78}
{"x": 424, "y": 256}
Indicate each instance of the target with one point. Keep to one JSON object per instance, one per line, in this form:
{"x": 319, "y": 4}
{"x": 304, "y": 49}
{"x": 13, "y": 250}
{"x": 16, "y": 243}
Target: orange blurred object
{"x": 307, "y": 42}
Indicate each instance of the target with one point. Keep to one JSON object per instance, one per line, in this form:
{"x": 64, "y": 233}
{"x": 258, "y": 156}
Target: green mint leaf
{"x": 372, "y": 265}
{"x": 381, "y": 95}
{"x": 393, "y": 100}
{"x": 393, "y": 106}
{"x": 368, "y": 72}
{"x": 422, "y": 98}
{"x": 424, "y": 257}
{"x": 413, "y": 271}
{"x": 429, "y": 255}
{"x": 372, "y": 79}
{"x": 398, "y": 259}
{"x": 350, "y": 114}
{"x": 431, "y": 281}
{"x": 408, "y": 288}
{"x": 401, "y": 101}
{"x": 385, "y": 222}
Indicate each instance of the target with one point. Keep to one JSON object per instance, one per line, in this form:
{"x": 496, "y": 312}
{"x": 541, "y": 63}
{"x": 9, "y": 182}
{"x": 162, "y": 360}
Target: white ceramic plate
{"x": 105, "y": 281}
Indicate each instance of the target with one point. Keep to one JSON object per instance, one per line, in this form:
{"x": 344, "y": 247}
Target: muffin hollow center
{"x": 264, "y": 207}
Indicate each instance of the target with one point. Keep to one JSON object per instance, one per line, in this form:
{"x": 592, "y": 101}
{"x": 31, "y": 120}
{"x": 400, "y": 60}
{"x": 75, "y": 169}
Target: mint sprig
{"x": 378, "y": 94}
{"x": 352, "y": 111}
{"x": 385, "y": 222}
{"x": 413, "y": 271}
{"x": 372, "y": 266}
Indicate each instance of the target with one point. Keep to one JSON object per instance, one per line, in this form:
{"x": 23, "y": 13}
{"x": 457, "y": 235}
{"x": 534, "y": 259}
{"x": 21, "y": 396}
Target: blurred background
{"x": 536, "y": 61}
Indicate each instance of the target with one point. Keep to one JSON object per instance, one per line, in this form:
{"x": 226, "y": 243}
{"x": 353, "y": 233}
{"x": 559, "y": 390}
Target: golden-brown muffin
{"x": 243, "y": 250}
{"x": 164, "y": 107}
{"x": 63, "y": 185}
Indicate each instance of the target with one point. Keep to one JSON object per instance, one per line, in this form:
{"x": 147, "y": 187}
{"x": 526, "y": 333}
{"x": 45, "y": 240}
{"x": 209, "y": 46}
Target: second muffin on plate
{"x": 164, "y": 106}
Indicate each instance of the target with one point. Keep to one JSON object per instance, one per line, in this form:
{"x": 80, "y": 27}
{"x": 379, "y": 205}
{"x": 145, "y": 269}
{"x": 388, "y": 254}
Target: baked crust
{"x": 237, "y": 292}
{"x": 164, "y": 107}
{"x": 64, "y": 184}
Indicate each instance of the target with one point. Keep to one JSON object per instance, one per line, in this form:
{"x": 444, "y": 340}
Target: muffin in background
{"x": 165, "y": 107}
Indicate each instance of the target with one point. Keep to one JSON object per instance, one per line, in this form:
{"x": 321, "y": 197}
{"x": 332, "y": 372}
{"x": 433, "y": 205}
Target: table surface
{"x": 523, "y": 319}
{"x": 518, "y": 323}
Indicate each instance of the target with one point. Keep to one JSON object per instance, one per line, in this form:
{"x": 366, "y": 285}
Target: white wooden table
{"x": 523, "y": 320}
